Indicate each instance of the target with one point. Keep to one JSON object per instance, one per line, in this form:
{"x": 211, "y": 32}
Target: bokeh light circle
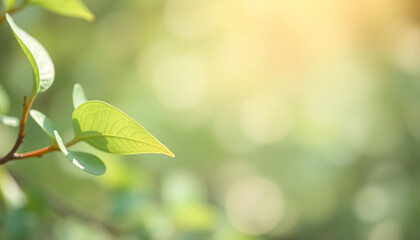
{"x": 254, "y": 205}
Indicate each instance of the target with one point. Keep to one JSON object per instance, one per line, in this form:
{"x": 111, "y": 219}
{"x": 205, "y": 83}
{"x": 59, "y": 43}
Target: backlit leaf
{"x": 79, "y": 96}
{"x": 85, "y": 161}
{"x": 70, "y": 8}
{"x": 44, "y": 122}
{"x": 41, "y": 62}
{"x": 9, "y": 121}
{"x": 109, "y": 129}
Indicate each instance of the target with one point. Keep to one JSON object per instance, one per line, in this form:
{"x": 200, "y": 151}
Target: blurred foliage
{"x": 289, "y": 120}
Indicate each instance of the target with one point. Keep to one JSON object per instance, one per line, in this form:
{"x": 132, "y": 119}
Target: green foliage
{"x": 97, "y": 123}
{"x": 79, "y": 96}
{"x": 45, "y": 123}
{"x": 109, "y": 129}
{"x": 41, "y": 62}
{"x": 70, "y": 8}
{"x": 85, "y": 161}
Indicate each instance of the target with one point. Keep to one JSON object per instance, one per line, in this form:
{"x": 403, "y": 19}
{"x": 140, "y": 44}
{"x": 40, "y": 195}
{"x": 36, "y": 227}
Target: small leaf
{"x": 9, "y": 121}
{"x": 79, "y": 96}
{"x": 41, "y": 62}
{"x": 109, "y": 129}
{"x": 70, "y": 8}
{"x": 8, "y": 4}
{"x": 44, "y": 122}
{"x": 85, "y": 161}
{"x": 4, "y": 101}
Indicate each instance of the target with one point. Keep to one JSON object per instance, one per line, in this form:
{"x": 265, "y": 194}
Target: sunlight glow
{"x": 254, "y": 205}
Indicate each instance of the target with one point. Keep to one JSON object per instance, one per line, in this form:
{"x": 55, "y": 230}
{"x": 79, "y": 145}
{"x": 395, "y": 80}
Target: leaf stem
{"x": 13, "y": 154}
{"x": 12, "y": 10}
{"x": 39, "y": 152}
{"x": 42, "y": 151}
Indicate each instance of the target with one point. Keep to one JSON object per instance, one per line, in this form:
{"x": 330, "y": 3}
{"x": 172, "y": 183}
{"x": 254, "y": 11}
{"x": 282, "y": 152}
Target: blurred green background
{"x": 293, "y": 119}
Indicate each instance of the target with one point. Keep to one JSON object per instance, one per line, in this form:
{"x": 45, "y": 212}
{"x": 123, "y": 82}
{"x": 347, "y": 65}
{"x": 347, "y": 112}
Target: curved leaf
{"x": 41, "y": 62}
{"x": 108, "y": 129}
{"x": 4, "y": 101}
{"x": 79, "y": 96}
{"x": 70, "y": 8}
{"x": 44, "y": 122}
{"x": 9, "y": 121}
{"x": 85, "y": 161}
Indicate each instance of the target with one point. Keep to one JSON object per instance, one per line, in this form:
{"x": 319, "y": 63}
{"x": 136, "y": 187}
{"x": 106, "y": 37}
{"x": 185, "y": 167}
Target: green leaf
{"x": 4, "y": 101}
{"x": 70, "y": 8}
{"x": 9, "y": 121}
{"x": 41, "y": 62}
{"x": 44, "y": 122}
{"x": 85, "y": 161}
{"x": 8, "y": 4}
{"x": 109, "y": 129}
{"x": 79, "y": 96}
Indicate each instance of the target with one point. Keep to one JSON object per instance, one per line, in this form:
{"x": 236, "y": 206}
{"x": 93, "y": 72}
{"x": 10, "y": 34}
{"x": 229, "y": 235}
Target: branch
{"x": 36, "y": 153}
{"x": 13, "y": 154}
{"x": 21, "y": 135}
{"x": 41, "y": 152}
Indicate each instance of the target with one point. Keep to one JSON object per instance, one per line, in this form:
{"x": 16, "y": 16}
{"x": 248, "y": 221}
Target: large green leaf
{"x": 85, "y": 161}
{"x": 70, "y": 8}
{"x": 109, "y": 129}
{"x": 4, "y": 101}
{"x": 41, "y": 62}
{"x": 79, "y": 96}
{"x": 8, "y": 4}
{"x": 44, "y": 122}
{"x": 9, "y": 121}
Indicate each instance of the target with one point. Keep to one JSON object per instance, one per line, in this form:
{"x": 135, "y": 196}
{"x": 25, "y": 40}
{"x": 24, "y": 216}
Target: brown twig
{"x": 27, "y": 104}
{"x": 13, "y": 154}
{"x": 35, "y": 153}
{"x": 41, "y": 152}
{"x": 21, "y": 135}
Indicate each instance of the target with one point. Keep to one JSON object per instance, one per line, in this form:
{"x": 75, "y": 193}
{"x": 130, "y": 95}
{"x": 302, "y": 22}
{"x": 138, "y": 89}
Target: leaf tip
{"x": 89, "y": 17}
{"x": 9, "y": 18}
{"x": 79, "y": 96}
{"x": 77, "y": 87}
{"x": 36, "y": 115}
{"x": 166, "y": 151}
{"x": 170, "y": 154}
{"x": 33, "y": 112}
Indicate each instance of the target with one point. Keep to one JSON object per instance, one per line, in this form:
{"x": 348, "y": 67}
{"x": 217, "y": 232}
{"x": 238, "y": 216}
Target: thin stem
{"x": 12, "y": 10}
{"x": 45, "y": 150}
{"x": 37, "y": 153}
{"x": 13, "y": 155}
{"x": 21, "y": 135}
{"x": 26, "y": 104}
